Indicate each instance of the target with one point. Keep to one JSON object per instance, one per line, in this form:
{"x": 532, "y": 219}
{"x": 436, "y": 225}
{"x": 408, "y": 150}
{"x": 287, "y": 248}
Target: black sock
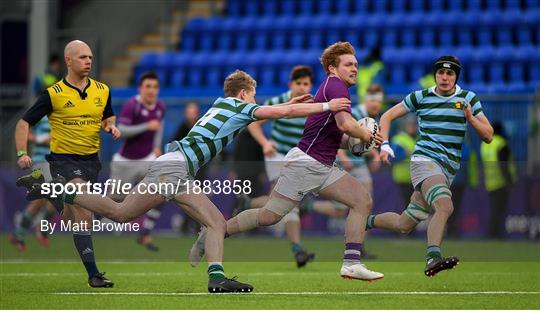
{"x": 85, "y": 248}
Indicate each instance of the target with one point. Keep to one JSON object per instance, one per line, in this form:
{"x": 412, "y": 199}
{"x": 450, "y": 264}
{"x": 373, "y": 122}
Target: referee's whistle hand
{"x": 25, "y": 162}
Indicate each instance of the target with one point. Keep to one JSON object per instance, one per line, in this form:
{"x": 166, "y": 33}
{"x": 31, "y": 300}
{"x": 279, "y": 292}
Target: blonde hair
{"x": 237, "y": 81}
{"x": 331, "y": 54}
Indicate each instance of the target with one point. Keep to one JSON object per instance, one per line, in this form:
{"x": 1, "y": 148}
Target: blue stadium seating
{"x": 497, "y": 40}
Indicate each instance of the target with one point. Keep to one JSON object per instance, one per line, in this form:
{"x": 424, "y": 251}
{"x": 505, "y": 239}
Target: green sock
{"x": 22, "y": 227}
{"x": 370, "y": 222}
{"x": 296, "y": 247}
{"x": 433, "y": 251}
{"x": 215, "y": 271}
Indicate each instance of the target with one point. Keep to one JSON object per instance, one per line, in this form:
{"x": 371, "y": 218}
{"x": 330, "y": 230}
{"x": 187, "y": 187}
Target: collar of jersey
{"x": 235, "y": 99}
{"x": 140, "y": 101}
{"x": 75, "y": 88}
{"x": 458, "y": 90}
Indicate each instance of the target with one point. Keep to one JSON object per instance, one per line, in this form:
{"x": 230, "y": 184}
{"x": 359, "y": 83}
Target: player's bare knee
{"x": 443, "y": 206}
{"x": 405, "y": 229}
{"x": 218, "y": 224}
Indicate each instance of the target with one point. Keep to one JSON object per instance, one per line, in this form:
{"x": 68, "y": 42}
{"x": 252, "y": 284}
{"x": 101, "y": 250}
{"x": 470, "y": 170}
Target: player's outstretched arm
{"x": 301, "y": 110}
{"x": 481, "y": 125}
{"x": 386, "y": 120}
{"x": 256, "y": 130}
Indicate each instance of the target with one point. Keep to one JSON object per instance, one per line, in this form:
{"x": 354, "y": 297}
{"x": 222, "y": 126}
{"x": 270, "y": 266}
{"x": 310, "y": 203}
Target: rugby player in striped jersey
{"x": 443, "y": 111}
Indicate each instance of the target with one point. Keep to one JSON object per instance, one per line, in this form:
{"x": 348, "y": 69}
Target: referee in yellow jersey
{"x": 78, "y": 108}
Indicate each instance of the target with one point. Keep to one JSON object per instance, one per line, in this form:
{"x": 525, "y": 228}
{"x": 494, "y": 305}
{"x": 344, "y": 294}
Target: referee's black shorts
{"x": 71, "y": 166}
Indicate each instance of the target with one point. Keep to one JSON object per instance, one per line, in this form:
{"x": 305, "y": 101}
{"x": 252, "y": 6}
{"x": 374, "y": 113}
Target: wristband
{"x": 21, "y": 153}
{"x": 385, "y": 143}
{"x": 325, "y": 107}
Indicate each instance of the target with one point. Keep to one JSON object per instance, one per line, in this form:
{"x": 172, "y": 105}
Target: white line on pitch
{"x": 299, "y": 273}
{"x": 296, "y": 293}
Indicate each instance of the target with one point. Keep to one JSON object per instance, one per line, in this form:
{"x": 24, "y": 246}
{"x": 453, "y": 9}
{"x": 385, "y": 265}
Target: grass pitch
{"x": 492, "y": 275}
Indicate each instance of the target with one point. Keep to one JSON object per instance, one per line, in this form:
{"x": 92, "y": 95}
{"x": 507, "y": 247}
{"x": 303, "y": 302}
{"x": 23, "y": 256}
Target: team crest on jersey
{"x": 98, "y": 102}
{"x": 144, "y": 113}
{"x": 458, "y": 105}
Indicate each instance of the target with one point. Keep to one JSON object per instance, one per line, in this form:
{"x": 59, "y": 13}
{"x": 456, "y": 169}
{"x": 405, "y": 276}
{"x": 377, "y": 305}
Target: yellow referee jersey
{"x": 75, "y": 116}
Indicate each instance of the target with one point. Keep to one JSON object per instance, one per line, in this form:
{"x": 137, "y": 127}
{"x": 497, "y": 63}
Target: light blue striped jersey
{"x": 214, "y": 131}
{"x": 442, "y": 125}
{"x": 39, "y": 151}
{"x": 286, "y": 133}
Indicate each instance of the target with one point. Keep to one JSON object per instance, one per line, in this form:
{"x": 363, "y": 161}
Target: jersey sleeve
{"x": 41, "y": 108}
{"x": 108, "y": 112}
{"x": 476, "y": 106}
{"x": 249, "y": 110}
{"x": 410, "y": 102}
{"x": 336, "y": 89}
{"x": 127, "y": 114}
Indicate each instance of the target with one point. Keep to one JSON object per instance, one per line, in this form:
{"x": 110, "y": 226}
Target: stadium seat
{"x": 474, "y": 5}
{"x": 484, "y": 36}
{"x": 408, "y": 38}
{"x": 398, "y": 6}
{"x": 360, "y": 6}
{"x": 324, "y": 7}
{"x": 233, "y": 7}
{"x": 532, "y": 4}
{"x": 251, "y": 7}
{"x": 435, "y": 5}
{"x": 288, "y": 7}
{"x": 390, "y": 38}
{"x": 524, "y": 36}
{"x": 493, "y": 5}
{"x": 417, "y": 5}
{"x": 343, "y": 7}
{"x": 512, "y": 4}
{"x": 379, "y": 6}
{"x": 503, "y": 36}
{"x": 516, "y": 73}
{"x": 496, "y": 72}
{"x": 269, "y": 8}
{"x": 455, "y": 5}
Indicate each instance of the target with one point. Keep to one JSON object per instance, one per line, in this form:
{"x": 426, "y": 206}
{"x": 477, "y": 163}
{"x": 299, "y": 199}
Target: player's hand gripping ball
{"x": 356, "y": 145}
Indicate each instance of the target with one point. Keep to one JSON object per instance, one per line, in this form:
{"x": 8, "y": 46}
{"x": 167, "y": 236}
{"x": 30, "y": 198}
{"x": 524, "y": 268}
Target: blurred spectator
{"x": 403, "y": 144}
{"x": 51, "y": 75}
{"x": 499, "y": 175}
{"x": 191, "y": 115}
{"x": 369, "y": 72}
{"x": 427, "y": 81}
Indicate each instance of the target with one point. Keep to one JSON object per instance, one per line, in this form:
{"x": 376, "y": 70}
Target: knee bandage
{"x": 293, "y": 215}
{"x": 280, "y": 206}
{"x": 416, "y": 212}
{"x": 248, "y": 220}
{"x": 437, "y": 192}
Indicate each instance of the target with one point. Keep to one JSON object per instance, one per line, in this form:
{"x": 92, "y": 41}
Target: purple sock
{"x": 351, "y": 255}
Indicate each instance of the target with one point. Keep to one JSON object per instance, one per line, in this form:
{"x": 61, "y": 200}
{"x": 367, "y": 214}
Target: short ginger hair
{"x": 331, "y": 54}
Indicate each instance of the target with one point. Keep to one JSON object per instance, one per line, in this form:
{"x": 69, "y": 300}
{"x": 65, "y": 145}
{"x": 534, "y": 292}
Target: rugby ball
{"x": 356, "y": 146}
